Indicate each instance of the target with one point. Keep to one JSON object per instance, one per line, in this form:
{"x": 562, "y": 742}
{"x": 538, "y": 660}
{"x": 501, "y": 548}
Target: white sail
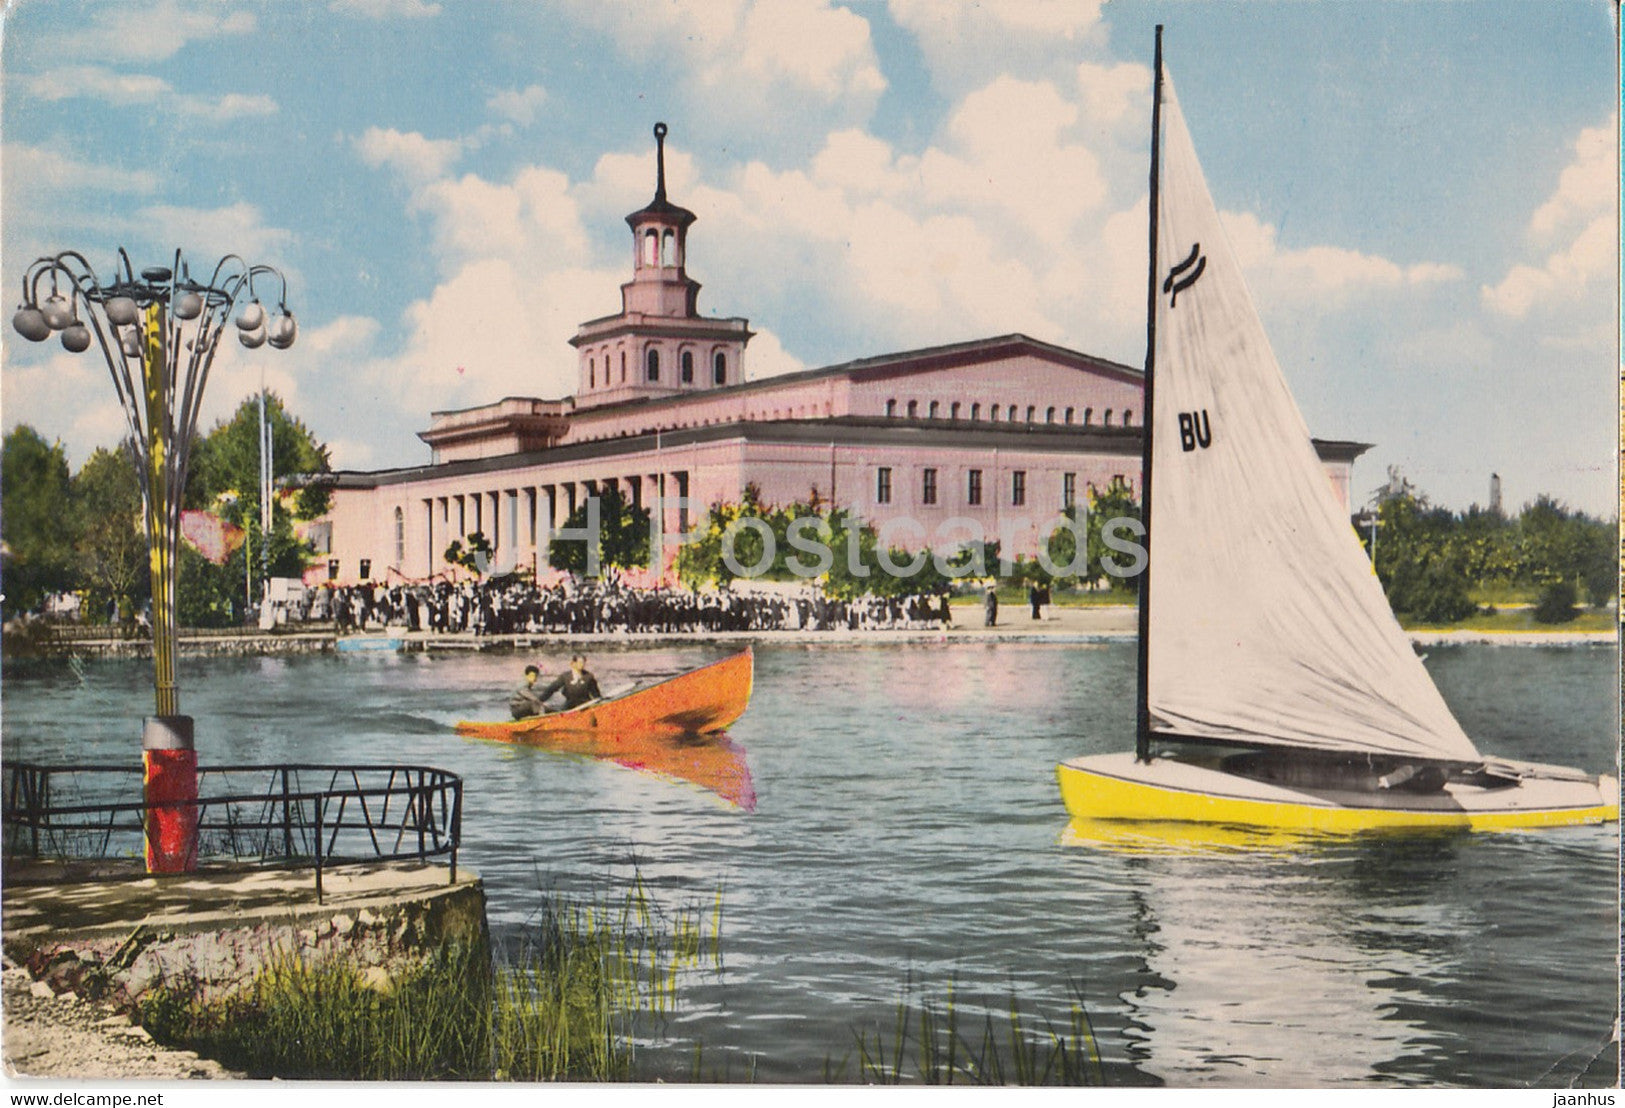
{"x": 1266, "y": 623}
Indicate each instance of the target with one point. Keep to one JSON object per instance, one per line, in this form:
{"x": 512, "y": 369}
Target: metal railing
{"x": 255, "y": 816}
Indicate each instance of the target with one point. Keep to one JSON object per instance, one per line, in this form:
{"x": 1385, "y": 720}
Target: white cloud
{"x": 417, "y": 159}
{"x": 385, "y": 9}
{"x": 966, "y": 45}
{"x": 142, "y": 90}
{"x": 519, "y": 105}
{"x": 51, "y": 171}
{"x": 1325, "y": 275}
{"x": 1580, "y": 223}
{"x": 1589, "y": 185}
{"x": 753, "y": 60}
{"x": 213, "y": 232}
{"x": 154, "y": 32}
{"x": 767, "y": 357}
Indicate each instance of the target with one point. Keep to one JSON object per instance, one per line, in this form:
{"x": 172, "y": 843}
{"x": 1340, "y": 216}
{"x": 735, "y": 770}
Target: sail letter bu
{"x": 1266, "y": 623}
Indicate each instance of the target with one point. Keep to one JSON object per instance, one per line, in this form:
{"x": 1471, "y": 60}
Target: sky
{"x": 1423, "y": 194}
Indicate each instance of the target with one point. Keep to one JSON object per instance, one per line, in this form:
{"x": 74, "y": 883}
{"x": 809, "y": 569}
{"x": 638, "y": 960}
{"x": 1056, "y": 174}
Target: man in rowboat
{"x": 526, "y": 700}
{"x": 577, "y": 687}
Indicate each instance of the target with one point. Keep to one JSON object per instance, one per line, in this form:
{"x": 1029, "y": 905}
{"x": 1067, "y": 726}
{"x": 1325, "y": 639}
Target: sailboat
{"x": 1276, "y": 688}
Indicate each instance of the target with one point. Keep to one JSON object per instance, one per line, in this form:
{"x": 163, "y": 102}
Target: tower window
{"x": 1071, "y": 414}
{"x": 688, "y": 367}
{"x": 1011, "y": 414}
{"x": 623, "y": 367}
{"x": 651, "y": 247}
{"x": 1030, "y": 410}
{"x": 1088, "y": 416}
{"x": 668, "y": 249}
{"x": 913, "y": 409}
{"x": 592, "y": 371}
{"x": 1128, "y": 417}
{"x": 654, "y": 364}
{"x": 953, "y": 412}
{"x": 719, "y": 368}
{"x": 1106, "y": 420}
{"x": 1049, "y": 416}
{"x": 891, "y": 409}
{"x": 976, "y": 411}
{"x": 933, "y": 410}
{"x": 993, "y": 412}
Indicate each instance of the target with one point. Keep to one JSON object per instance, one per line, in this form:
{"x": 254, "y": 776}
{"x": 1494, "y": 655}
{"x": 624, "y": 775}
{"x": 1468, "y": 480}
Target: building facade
{"x": 989, "y": 439}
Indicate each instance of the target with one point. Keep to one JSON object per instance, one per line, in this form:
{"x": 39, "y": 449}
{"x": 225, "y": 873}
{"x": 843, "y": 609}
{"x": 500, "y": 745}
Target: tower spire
{"x": 660, "y": 162}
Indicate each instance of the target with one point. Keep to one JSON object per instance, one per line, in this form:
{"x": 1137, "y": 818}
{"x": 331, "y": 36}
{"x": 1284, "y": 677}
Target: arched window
{"x": 1128, "y": 417}
{"x": 400, "y": 537}
{"x": 993, "y": 412}
{"x": 654, "y": 364}
{"x": 1031, "y": 411}
{"x": 668, "y": 249}
{"x": 891, "y": 409}
{"x": 953, "y": 411}
{"x": 592, "y": 372}
{"x": 976, "y": 411}
{"x": 1011, "y": 414}
{"x": 913, "y": 409}
{"x": 1049, "y": 416}
{"x": 1106, "y": 420}
{"x": 932, "y": 411}
{"x": 1071, "y": 414}
{"x": 651, "y": 246}
{"x": 688, "y": 367}
{"x": 719, "y": 368}
{"x": 623, "y": 367}
{"x": 1088, "y": 416}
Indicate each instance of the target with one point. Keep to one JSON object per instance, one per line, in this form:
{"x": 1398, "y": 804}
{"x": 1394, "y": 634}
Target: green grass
{"x": 938, "y": 1043}
{"x": 563, "y": 1009}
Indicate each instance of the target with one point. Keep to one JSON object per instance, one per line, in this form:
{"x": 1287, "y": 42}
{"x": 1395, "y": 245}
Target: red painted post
{"x": 169, "y": 782}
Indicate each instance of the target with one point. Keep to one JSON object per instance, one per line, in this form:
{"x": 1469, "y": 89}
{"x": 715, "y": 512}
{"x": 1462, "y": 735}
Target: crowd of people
{"x": 510, "y": 606}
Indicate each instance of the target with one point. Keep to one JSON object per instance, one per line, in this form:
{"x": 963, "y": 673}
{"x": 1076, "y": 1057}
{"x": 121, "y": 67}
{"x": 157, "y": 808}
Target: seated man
{"x": 577, "y": 687}
{"x": 526, "y": 700}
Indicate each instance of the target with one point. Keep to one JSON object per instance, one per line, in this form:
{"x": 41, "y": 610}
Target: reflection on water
{"x": 907, "y": 825}
{"x": 714, "y": 762}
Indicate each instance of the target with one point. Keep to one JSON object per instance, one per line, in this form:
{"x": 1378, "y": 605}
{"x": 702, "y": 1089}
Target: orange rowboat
{"x": 695, "y": 703}
{"x": 667, "y": 729}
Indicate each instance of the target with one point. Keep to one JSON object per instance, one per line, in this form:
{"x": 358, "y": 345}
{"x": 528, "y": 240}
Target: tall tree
{"x": 622, "y": 540}
{"x": 35, "y": 523}
{"x": 111, "y": 552}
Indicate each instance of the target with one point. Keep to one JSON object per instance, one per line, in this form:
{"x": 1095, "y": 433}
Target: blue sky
{"x": 1423, "y": 194}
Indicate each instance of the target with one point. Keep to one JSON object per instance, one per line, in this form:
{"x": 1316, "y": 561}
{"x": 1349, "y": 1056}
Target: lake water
{"x": 907, "y": 828}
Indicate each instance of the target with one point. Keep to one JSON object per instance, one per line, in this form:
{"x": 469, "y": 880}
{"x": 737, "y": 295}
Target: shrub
{"x": 1556, "y": 604}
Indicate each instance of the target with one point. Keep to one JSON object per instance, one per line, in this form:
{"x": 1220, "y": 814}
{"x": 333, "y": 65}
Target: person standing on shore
{"x": 990, "y": 607}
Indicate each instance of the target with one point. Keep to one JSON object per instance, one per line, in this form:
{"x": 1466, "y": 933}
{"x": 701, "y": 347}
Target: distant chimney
{"x": 1495, "y": 493}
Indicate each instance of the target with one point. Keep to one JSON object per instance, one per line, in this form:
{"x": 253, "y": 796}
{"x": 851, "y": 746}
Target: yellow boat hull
{"x": 1119, "y": 787}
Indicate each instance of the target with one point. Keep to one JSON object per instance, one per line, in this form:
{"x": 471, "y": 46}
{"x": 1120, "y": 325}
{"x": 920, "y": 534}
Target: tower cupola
{"x": 659, "y": 344}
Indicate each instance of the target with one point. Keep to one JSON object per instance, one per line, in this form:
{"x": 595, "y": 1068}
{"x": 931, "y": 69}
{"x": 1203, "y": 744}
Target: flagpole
{"x": 1142, "y": 730}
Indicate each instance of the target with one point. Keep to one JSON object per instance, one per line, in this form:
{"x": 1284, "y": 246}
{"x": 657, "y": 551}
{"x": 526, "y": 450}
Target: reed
{"x": 564, "y": 1008}
{"x": 940, "y": 1043}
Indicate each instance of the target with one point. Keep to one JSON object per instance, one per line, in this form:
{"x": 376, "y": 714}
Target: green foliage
{"x": 474, "y": 557}
{"x": 810, "y": 541}
{"x": 111, "y": 548}
{"x": 1105, "y": 507}
{"x": 38, "y": 529}
{"x": 622, "y": 540}
{"x": 1431, "y": 560}
{"x": 564, "y": 1009}
{"x": 1556, "y": 603}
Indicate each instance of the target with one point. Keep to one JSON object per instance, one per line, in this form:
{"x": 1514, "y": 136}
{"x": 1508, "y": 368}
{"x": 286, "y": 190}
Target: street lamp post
{"x": 158, "y": 331}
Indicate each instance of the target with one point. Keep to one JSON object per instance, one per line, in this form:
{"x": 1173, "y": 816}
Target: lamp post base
{"x": 169, "y": 783}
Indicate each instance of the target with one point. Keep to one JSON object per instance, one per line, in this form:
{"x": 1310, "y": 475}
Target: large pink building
{"x": 988, "y": 439}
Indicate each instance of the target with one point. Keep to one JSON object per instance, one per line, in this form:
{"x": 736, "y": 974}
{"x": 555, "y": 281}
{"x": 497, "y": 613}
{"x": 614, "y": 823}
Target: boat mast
{"x": 1142, "y": 730}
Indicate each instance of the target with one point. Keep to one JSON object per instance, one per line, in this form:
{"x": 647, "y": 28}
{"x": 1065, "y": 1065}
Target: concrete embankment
{"x": 110, "y": 942}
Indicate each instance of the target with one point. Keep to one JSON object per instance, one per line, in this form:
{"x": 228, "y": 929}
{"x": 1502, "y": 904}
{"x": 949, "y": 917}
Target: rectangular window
{"x": 883, "y": 485}
{"x": 1018, "y": 487}
{"x": 973, "y": 487}
{"x": 1069, "y": 489}
{"x": 928, "y": 487}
